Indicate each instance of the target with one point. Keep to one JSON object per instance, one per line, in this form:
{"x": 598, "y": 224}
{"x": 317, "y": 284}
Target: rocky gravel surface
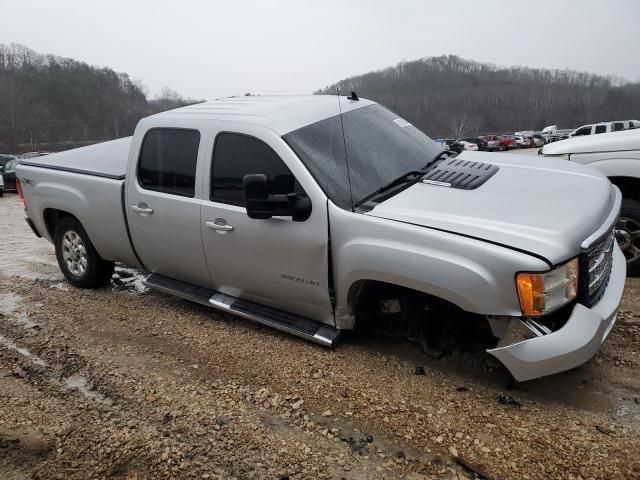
{"x": 125, "y": 383}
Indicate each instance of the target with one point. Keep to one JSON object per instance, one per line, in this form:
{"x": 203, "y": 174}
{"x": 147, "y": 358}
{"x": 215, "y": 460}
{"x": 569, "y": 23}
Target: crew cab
{"x": 309, "y": 213}
{"x": 616, "y": 155}
{"x": 604, "y": 127}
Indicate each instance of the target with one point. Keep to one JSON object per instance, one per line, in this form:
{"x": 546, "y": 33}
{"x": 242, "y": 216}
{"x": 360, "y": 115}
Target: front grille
{"x": 595, "y": 269}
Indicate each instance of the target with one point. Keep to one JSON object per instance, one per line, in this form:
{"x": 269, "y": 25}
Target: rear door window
{"x": 601, "y": 129}
{"x": 168, "y": 159}
{"x": 617, "y": 126}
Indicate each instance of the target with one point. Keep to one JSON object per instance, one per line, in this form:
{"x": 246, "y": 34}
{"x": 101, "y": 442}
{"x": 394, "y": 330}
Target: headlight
{"x": 542, "y": 293}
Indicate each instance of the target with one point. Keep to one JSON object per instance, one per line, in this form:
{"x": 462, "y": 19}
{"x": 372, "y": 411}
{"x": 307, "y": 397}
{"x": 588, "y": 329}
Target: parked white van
{"x": 605, "y": 127}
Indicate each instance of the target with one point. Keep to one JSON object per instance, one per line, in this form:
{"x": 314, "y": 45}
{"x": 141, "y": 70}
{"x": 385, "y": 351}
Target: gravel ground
{"x": 121, "y": 382}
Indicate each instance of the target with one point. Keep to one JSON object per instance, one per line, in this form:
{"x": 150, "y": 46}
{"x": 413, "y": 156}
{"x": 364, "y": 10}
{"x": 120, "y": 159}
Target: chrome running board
{"x": 297, "y": 325}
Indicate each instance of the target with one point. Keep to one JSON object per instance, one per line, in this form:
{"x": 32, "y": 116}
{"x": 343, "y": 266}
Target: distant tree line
{"x": 46, "y": 100}
{"x": 451, "y": 96}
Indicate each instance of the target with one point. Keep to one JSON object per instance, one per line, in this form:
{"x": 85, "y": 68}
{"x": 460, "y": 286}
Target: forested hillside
{"x": 46, "y": 99}
{"x": 451, "y": 96}
{"x": 51, "y": 103}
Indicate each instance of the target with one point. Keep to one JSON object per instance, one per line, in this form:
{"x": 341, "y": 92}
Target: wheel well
{"x": 629, "y": 186}
{"x": 363, "y": 294}
{"x": 51, "y": 218}
{"x": 395, "y": 310}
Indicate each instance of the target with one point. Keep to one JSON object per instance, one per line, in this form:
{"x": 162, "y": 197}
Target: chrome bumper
{"x": 576, "y": 342}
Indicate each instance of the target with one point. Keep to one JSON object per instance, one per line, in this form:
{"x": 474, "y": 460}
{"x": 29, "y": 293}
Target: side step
{"x": 287, "y": 322}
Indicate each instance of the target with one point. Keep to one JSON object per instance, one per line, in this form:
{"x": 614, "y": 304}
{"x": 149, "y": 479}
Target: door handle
{"x": 220, "y": 225}
{"x": 142, "y": 208}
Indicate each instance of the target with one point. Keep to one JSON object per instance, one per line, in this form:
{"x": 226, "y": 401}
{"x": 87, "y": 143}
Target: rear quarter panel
{"x": 95, "y": 201}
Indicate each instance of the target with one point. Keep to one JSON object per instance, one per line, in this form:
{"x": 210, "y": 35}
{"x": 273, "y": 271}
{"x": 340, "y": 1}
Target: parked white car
{"x": 524, "y": 133}
{"x": 469, "y": 145}
{"x": 521, "y": 142}
{"x": 604, "y": 127}
{"x": 616, "y": 155}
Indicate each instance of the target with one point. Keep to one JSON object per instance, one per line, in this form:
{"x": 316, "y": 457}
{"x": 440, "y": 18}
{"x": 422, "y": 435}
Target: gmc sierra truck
{"x": 306, "y": 212}
{"x": 616, "y": 155}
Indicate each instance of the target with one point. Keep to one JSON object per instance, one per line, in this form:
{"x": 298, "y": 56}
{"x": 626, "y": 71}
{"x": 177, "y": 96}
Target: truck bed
{"x": 87, "y": 183}
{"x": 107, "y": 159}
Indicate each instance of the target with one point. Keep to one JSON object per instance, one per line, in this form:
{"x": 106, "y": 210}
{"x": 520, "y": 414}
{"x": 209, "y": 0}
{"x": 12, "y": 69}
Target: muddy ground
{"x": 122, "y": 382}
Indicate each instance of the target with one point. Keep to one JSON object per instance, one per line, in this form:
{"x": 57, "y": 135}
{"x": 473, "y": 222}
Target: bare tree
{"x": 460, "y": 127}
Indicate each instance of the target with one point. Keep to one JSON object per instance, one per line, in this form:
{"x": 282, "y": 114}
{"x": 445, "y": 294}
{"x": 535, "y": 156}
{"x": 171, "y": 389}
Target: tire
{"x": 1, "y": 192}
{"x": 80, "y": 263}
{"x": 628, "y": 235}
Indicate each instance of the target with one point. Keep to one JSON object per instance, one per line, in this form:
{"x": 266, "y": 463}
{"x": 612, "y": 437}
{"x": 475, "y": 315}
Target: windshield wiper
{"x": 408, "y": 177}
{"x": 405, "y": 177}
{"x": 449, "y": 153}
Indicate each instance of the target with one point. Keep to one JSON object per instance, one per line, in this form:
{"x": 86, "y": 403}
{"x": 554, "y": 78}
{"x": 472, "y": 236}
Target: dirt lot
{"x": 125, "y": 383}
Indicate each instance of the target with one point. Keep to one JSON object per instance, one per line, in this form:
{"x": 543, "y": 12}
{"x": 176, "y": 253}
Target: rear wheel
{"x": 628, "y": 234}
{"x": 80, "y": 263}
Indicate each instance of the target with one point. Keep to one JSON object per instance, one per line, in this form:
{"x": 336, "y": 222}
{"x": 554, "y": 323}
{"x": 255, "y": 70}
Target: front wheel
{"x": 80, "y": 263}
{"x": 628, "y": 234}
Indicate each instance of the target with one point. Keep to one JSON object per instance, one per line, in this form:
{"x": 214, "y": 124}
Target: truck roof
{"x": 281, "y": 113}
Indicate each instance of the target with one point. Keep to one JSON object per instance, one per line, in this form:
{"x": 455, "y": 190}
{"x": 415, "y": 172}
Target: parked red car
{"x": 505, "y": 142}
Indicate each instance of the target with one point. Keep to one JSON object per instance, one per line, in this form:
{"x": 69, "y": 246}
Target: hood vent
{"x": 459, "y": 173}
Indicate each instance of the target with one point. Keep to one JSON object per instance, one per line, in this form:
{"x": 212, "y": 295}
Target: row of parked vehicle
{"x": 529, "y": 138}
{"x": 8, "y": 165}
{"x": 492, "y": 142}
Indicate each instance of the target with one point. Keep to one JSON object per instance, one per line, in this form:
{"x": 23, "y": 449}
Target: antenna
{"x": 344, "y": 143}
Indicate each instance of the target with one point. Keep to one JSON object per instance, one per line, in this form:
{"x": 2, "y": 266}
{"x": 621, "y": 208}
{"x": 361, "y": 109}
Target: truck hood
{"x": 542, "y": 206}
{"x": 604, "y": 142}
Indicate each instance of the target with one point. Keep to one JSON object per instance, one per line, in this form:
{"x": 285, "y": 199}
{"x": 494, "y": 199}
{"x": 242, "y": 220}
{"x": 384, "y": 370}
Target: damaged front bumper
{"x": 573, "y": 344}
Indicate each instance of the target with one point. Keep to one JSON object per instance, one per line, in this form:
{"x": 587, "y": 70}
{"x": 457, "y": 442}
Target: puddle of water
{"x": 25, "y": 322}
{"x": 22, "y": 351}
{"x": 79, "y": 383}
{"x": 629, "y": 411}
{"x": 9, "y": 303}
{"x": 130, "y": 280}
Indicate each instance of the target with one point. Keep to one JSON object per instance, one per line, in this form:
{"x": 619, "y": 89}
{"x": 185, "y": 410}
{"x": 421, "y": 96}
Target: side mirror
{"x": 262, "y": 204}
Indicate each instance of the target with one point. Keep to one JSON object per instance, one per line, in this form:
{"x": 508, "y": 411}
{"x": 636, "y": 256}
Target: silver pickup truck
{"x": 306, "y": 213}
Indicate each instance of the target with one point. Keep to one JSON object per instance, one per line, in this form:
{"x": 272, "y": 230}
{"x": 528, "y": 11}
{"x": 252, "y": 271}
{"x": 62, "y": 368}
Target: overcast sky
{"x": 208, "y": 48}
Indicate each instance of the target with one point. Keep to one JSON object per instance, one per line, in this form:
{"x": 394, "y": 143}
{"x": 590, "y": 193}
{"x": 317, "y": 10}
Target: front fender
{"x": 477, "y": 276}
{"x": 612, "y": 164}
